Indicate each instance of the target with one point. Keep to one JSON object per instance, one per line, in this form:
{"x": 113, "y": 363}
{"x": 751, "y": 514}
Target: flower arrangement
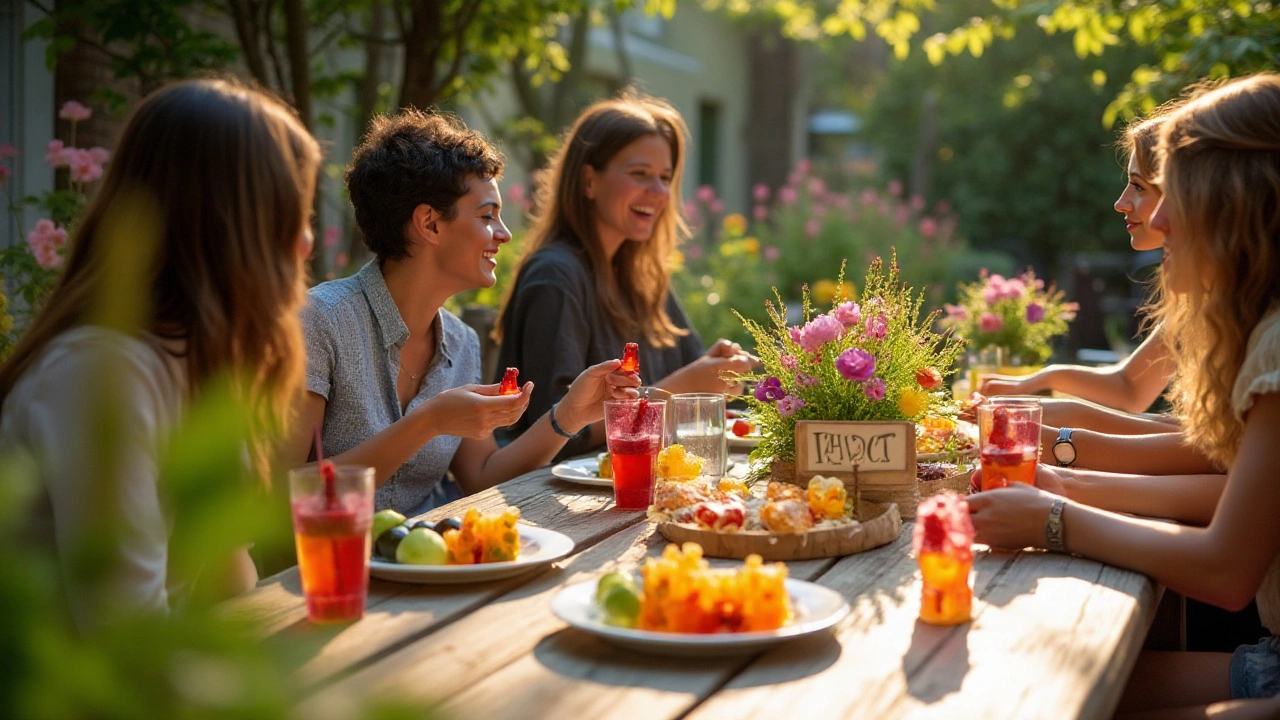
{"x": 870, "y": 359}
{"x": 1019, "y": 314}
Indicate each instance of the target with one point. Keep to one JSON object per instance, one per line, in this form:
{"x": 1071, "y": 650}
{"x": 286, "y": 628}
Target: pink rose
{"x": 877, "y": 326}
{"x": 874, "y": 389}
{"x": 849, "y": 313}
{"x": 100, "y": 155}
{"x": 760, "y": 192}
{"x": 75, "y": 112}
{"x": 53, "y": 154}
{"x": 989, "y": 322}
{"x": 994, "y": 290}
{"x": 44, "y": 240}
{"x": 928, "y": 227}
{"x": 1014, "y": 289}
{"x": 856, "y": 365}
{"x": 813, "y": 227}
{"x": 820, "y": 331}
{"x": 772, "y": 253}
{"x": 787, "y": 195}
{"x": 789, "y": 405}
{"x": 83, "y": 168}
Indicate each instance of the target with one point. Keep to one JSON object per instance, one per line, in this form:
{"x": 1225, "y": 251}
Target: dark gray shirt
{"x": 554, "y": 328}
{"x": 354, "y": 334}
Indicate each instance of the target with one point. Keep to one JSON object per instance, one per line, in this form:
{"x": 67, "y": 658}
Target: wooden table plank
{"x": 464, "y": 658}
{"x": 583, "y": 513}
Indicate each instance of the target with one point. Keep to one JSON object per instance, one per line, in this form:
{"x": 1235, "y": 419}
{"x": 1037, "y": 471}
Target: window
{"x": 708, "y": 143}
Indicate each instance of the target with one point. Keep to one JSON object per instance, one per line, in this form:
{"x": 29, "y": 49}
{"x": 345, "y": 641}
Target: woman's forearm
{"x": 535, "y": 447}
{"x": 1186, "y": 498}
{"x": 391, "y": 448}
{"x": 1080, "y": 414}
{"x": 1154, "y": 454}
{"x": 1105, "y": 386}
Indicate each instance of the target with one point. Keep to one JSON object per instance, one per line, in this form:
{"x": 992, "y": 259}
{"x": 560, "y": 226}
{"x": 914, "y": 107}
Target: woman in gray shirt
{"x": 597, "y": 274}
{"x": 392, "y": 376}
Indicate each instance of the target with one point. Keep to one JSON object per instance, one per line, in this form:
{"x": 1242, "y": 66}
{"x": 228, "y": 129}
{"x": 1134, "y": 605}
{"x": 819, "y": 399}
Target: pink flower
{"x": 806, "y": 380}
{"x": 868, "y": 197}
{"x": 942, "y": 208}
{"x": 900, "y": 215}
{"x": 849, "y": 313}
{"x": 928, "y": 227}
{"x": 760, "y": 213}
{"x": 787, "y": 195}
{"x": 100, "y": 155}
{"x": 813, "y": 227}
{"x": 789, "y": 405}
{"x": 957, "y": 312}
{"x": 75, "y": 112}
{"x": 705, "y": 194}
{"x": 515, "y": 193}
{"x": 1035, "y": 313}
{"x": 994, "y": 290}
{"x": 803, "y": 166}
{"x": 877, "y": 326}
{"x": 917, "y": 203}
{"x": 795, "y": 333}
{"x": 817, "y": 187}
{"x": 895, "y": 188}
{"x": 820, "y": 331}
{"x": 840, "y": 201}
{"x": 760, "y": 192}
{"x": 989, "y": 322}
{"x": 53, "y": 154}
{"x": 340, "y": 260}
{"x": 1014, "y": 289}
{"x": 331, "y": 236}
{"x": 1069, "y": 311}
{"x": 820, "y": 210}
{"x": 83, "y": 168}
{"x": 856, "y": 365}
{"x": 7, "y": 151}
{"x": 790, "y": 362}
{"x": 874, "y": 389}
{"x": 772, "y": 253}
{"x": 715, "y": 206}
{"x": 44, "y": 241}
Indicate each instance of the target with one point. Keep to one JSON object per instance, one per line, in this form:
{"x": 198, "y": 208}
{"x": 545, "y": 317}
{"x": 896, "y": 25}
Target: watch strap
{"x": 556, "y": 426}
{"x": 1064, "y": 438}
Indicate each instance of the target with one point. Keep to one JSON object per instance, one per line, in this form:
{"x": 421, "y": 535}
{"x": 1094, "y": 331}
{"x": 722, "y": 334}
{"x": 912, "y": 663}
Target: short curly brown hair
{"x": 409, "y": 159}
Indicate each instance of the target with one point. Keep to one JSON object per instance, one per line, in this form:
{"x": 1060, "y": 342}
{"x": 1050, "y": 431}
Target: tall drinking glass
{"x": 699, "y": 426}
{"x": 331, "y": 529}
{"x": 1009, "y": 434}
{"x": 634, "y": 430}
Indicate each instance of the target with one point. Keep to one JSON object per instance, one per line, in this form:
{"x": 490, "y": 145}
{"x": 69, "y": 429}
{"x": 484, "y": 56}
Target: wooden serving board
{"x": 881, "y": 529}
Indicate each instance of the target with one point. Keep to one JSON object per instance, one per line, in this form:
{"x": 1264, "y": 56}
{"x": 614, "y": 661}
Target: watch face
{"x": 1064, "y": 453}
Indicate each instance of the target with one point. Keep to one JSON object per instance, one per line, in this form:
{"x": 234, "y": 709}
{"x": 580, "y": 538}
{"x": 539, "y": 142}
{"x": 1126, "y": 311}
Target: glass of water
{"x": 698, "y": 423}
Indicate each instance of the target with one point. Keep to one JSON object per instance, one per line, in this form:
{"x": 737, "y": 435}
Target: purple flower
{"x": 849, "y": 313}
{"x": 1035, "y": 312}
{"x": 790, "y": 362}
{"x": 805, "y": 380}
{"x": 770, "y": 390}
{"x": 856, "y": 365}
{"x": 874, "y": 389}
{"x": 788, "y": 405}
{"x": 990, "y": 322}
{"x": 820, "y": 331}
{"x": 877, "y": 326}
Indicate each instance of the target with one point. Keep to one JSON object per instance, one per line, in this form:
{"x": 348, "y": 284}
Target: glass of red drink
{"x": 331, "y": 529}
{"x": 634, "y": 429}
{"x": 1009, "y": 435}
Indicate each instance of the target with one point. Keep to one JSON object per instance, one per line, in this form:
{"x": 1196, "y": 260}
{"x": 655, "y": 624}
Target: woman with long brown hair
{"x": 1220, "y": 309}
{"x": 215, "y": 182}
{"x": 596, "y": 273}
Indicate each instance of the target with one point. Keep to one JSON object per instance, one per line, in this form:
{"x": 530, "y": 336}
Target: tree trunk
{"x": 926, "y": 145}
{"x": 374, "y": 52}
{"x": 295, "y": 25}
{"x": 774, "y": 71}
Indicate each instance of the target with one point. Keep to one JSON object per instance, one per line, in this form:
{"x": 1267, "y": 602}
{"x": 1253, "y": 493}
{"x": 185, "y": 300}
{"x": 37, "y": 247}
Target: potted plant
{"x": 1017, "y": 317}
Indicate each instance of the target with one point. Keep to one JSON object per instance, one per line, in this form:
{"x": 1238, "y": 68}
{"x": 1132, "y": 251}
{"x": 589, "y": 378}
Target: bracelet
{"x": 556, "y": 426}
{"x": 1055, "y": 535}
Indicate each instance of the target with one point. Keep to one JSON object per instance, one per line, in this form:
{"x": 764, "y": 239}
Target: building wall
{"x": 27, "y": 116}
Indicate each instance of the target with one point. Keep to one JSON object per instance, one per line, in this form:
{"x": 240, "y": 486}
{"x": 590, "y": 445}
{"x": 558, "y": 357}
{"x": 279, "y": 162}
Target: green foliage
{"x": 908, "y": 344}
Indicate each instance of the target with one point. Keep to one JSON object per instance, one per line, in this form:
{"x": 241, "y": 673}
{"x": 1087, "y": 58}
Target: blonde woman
{"x": 229, "y": 173}
{"x": 1220, "y": 309}
{"x": 596, "y": 272}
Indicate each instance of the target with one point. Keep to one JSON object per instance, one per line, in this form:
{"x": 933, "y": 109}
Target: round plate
{"x": 538, "y": 547}
{"x": 816, "y": 608}
{"x": 584, "y": 471}
{"x": 969, "y": 429}
{"x": 742, "y": 443}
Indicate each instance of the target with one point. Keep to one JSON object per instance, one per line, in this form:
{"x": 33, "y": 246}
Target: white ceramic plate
{"x": 964, "y": 426}
{"x": 741, "y": 443}
{"x": 584, "y": 471}
{"x": 538, "y": 547}
{"x": 816, "y": 609}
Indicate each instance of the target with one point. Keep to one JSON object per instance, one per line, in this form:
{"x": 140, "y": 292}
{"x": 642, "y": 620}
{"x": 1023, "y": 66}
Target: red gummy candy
{"x": 630, "y": 359}
{"x": 720, "y": 515}
{"x": 510, "y": 385}
{"x": 1000, "y": 436}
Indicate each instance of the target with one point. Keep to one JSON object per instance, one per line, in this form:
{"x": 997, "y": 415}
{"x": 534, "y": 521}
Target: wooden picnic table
{"x": 1053, "y": 636}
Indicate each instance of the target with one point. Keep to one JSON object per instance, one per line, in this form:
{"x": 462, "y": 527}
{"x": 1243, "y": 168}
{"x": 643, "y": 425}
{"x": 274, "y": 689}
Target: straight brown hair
{"x": 231, "y": 174}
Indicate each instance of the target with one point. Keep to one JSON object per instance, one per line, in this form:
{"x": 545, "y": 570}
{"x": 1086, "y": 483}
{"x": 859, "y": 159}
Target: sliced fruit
{"x": 422, "y": 547}
{"x": 384, "y": 520}
{"x": 742, "y": 428}
{"x": 621, "y": 606}
{"x": 608, "y": 582}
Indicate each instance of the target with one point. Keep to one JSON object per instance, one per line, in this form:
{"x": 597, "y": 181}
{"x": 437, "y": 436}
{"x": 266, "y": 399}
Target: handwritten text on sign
{"x": 839, "y": 446}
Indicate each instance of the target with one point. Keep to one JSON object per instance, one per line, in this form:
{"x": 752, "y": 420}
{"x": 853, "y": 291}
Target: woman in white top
{"x": 206, "y": 203}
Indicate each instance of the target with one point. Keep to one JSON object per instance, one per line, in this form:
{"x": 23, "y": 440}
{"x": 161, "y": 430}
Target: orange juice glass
{"x": 331, "y": 529}
{"x": 1009, "y": 438}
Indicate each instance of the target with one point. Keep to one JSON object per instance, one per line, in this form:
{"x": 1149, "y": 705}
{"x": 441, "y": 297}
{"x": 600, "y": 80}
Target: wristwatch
{"x": 1064, "y": 451}
{"x": 1055, "y": 536}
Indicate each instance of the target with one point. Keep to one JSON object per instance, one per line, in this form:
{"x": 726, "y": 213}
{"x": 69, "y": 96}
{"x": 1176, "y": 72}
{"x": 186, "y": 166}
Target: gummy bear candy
{"x": 943, "y": 542}
{"x": 630, "y": 359}
{"x": 510, "y": 383}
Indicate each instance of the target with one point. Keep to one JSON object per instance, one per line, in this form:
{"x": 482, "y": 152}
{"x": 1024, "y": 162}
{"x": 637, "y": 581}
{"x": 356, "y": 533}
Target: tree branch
{"x": 247, "y": 32}
{"x": 459, "y": 39}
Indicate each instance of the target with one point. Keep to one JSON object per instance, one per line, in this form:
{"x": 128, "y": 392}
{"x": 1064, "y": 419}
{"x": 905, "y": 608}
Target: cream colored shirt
{"x": 51, "y": 414}
{"x": 1259, "y": 375}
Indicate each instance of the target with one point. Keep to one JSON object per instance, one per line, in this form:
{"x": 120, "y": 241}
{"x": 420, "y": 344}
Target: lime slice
{"x": 383, "y": 521}
{"x": 608, "y": 582}
{"x": 621, "y": 606}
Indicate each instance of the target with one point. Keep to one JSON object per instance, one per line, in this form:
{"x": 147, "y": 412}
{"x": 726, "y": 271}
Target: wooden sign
{"x": 884, "y": 453}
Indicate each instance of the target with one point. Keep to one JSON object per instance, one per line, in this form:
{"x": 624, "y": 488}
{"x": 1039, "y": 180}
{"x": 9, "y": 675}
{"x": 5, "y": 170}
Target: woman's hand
{"x": 703, "y": 374}
{"x": 583, "y": 404}
{"x": 474, "y": 411}
{"x": 1007, "y": 385}
{"x": 1011, "y": 518}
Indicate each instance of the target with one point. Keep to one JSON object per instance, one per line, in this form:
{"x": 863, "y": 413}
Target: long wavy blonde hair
{"x": 230, "y": 172}
{"x": 633, "y": 292}
{"x": 1220, "y": 157}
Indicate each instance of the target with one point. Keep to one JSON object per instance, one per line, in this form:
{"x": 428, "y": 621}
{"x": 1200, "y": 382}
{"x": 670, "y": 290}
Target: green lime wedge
{"x": 384, "y": 520}
{"x": 608, "y": 582}
{"x": 621, "y": 606}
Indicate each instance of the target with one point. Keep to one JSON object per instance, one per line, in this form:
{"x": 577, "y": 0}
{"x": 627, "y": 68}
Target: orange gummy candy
{"x": 630, "y": 359}
{"x": 510, "y": 384}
